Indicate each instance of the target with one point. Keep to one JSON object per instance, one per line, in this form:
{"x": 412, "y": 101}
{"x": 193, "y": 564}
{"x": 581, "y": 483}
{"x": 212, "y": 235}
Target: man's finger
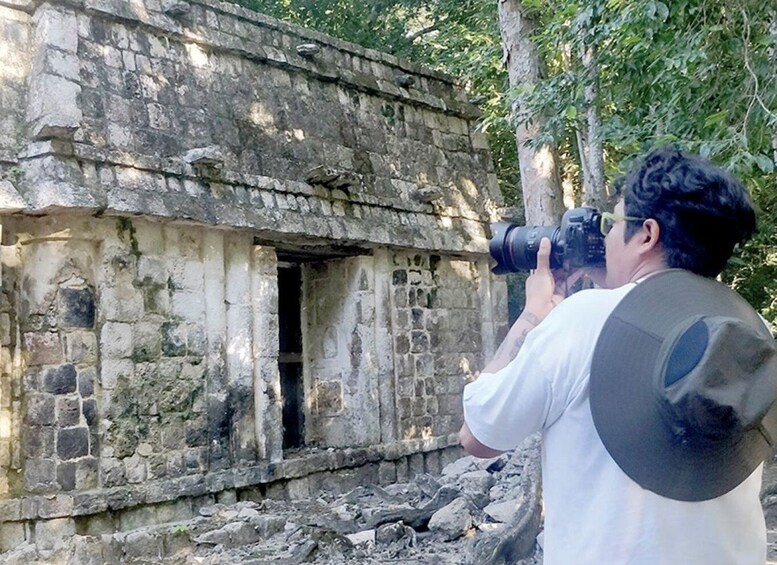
{"x": 543, "y": 255}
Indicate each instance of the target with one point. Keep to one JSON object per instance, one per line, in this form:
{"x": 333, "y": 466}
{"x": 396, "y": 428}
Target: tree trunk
{"x": 594, "y": 193}
{"x": 540, "y": 183}
{"x": 773, "y": 33}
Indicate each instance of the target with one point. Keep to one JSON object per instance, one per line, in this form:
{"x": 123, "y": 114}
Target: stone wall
{"x": 163, "y": 166}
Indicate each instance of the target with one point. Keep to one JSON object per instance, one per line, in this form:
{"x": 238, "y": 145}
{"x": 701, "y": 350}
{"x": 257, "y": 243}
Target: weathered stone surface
{"x": 231, "y": 535}
{"x": 78, "y": 307}
{"x": 68, "y": 411}
{"x": 10, "y": 199}
{"x": 60, "y": 380}
{"x": 152, "y": 348}
{"x": 72, "y": 443}
{"x": 454, "y": 520}
{"x": 501, "y": 511}
{"x": 52, "y": 534}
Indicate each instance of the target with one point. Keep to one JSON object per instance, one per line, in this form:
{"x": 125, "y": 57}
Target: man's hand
{"x": 545, "y": 289}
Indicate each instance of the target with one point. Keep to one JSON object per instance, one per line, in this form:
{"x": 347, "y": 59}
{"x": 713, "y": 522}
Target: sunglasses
{"x": 609, "y": 219}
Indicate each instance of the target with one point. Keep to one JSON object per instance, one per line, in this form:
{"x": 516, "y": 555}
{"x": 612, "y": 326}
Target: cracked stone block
{"x": 53, "y": 110}
{"x": 77, "y": 307}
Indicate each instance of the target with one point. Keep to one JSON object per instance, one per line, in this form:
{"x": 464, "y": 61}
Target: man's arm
{"x": 472, "y": 446}
{"x": 507, "y": 351}
{"x": 541, "y": 297}
{"x": 513, "y": 341}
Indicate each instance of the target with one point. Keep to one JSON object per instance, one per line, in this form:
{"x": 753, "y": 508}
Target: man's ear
{"x": 650, "y": 234}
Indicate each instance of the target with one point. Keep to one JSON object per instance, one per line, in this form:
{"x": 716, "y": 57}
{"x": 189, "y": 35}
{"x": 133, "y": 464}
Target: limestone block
{"x": 187, "y": 275}
{"x": 365, "y": 537}
{"x": 38, "y": 441}
{"x": 173, "y": 339}
{"x": 416, "y": 464}
{"x": 55, "y": 506}
{"x": 151, "y": 270}
{"x": 452, "y": 521}
{"x": 111, "y": 472}
{"x": 299, "y": 489}
{"x": 387, "y": 472}
{"x": 147, "y": 341}
{"x": 56, "y": 28}
{"x": 77, "y": 307}
{"x": 53, "y": 109}
{"x": 10, "y": 200}
{"x": 68, "y": 411}
{"x": 43, "y": 348}
{"x": 80, "y": 348}
{"x": 135, "y": 469}
{"x": 11, "y": 535}
{"x": 142, "y": 546}
{"x": 188, "y": 306}
{"x": 116, "y": 340}
{"x": 39, "y": 474}
{"x": 86, "y": 473}
{"x": 60, "y": 380}
{"x": 60, "y": 63}
{"x": 72, "y": 443}
{"x": 112, "y": 370}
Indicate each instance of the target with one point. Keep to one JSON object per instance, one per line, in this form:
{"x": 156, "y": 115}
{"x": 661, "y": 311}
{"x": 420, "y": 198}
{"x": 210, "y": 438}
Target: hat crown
{"x": 718, "y": 378}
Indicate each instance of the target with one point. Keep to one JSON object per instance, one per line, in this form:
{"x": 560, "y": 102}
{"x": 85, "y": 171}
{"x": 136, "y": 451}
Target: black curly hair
{"x": 702, "y": 211}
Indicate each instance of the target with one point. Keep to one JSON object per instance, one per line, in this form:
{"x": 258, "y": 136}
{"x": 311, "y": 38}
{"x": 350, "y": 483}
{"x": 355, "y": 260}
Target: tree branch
{"x": 426, "y": 30}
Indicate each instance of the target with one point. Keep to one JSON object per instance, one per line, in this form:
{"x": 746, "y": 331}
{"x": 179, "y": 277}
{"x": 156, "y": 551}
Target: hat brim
{"x": 624, "y": 400}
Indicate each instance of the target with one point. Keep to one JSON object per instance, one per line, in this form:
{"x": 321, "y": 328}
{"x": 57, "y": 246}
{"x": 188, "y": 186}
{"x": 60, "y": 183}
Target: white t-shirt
{"x": 594, "y": 513}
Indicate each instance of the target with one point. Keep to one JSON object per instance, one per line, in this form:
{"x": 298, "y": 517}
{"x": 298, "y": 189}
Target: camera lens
{"x": 515, "y": 247}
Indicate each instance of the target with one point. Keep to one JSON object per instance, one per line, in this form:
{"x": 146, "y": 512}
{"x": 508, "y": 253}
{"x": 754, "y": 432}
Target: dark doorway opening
{"x": 290, "y": 353}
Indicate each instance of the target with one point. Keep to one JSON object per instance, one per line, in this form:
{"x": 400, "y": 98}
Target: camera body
{"x": 577, "y": 242}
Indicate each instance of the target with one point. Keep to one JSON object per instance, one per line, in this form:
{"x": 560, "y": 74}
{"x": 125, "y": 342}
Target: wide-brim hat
{"x": 683, "y": 386}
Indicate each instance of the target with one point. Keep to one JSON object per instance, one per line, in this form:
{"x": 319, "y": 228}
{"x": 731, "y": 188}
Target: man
{"x": 647, "y": 475}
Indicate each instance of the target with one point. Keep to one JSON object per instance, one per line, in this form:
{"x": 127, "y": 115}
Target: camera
{"x": 577, "y": 242}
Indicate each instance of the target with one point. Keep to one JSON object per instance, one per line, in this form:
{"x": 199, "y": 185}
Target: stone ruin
{"x": 241, "y": 261}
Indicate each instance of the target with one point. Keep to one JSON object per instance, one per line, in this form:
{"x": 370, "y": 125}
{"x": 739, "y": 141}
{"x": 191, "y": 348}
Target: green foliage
{"x": 180, "y": 530}
{"x": 695, "y": 73}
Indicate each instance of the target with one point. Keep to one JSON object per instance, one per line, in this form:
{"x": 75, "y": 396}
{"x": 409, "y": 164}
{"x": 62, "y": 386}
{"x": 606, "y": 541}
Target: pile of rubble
{"x": 483, "y": 511}
{"x": 477, "y": 511}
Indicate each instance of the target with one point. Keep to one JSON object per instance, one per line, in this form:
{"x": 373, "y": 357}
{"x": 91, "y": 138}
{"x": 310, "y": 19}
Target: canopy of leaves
{"x": 700, "y": 74}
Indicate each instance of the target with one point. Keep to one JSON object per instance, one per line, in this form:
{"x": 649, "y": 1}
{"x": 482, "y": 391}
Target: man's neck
{"x": 646, "y": 269}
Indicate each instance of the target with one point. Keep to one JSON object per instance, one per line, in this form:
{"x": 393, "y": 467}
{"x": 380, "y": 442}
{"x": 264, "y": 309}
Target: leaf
{"x": 662, "y": 10}
{"x": 571, "y": 112}
{"x": 715, "y": 118}
{"x": 764, "y": 163}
